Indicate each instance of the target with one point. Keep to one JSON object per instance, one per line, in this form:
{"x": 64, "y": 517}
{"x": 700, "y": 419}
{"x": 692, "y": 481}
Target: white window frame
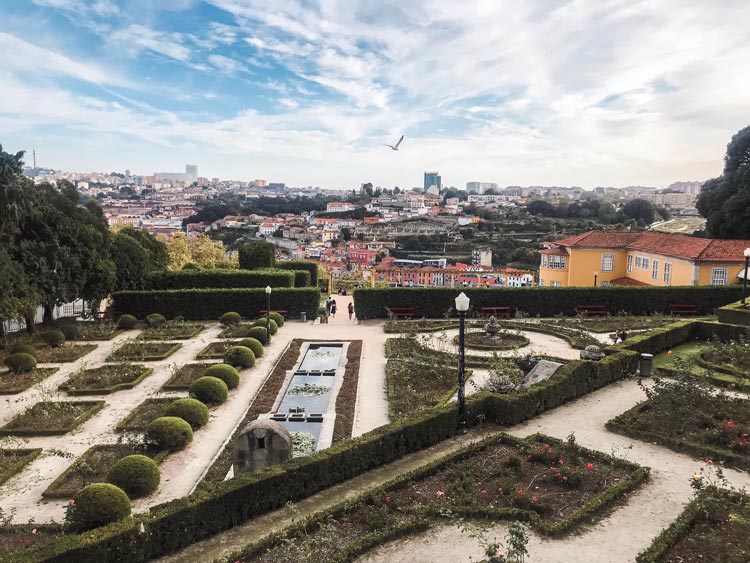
{"x": 608, "y": 262}
{"x": 630, "y": 263}
{"x": 554, "y": 284}
{"x": 605, "y": 284}
{"x": 544, "y": 260}
{"x": 541, "y": 282}
{"x": 655, "y": 270}
{"x": 557, "y": 262}
{"x": 719, "y": 276}
{"x": 667, "y": 272}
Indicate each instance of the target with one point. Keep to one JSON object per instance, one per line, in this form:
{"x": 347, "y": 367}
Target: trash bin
{"x": 646, "y": 364}
{"x": 303, "y": 316}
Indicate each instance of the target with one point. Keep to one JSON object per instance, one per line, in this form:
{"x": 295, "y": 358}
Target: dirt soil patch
{"x": 215, "y": 350}
{"x": 105, "y": 379}
{"x": 13, "y": 461}
{"x": 143, "y": 414}
{"x": 143, "y": 351}
{"x": 12, "y": 383}
{"x": 184, "y": 376}
{"x": 50, "y": 418}
{"x": 346, "y": 401}
{"x": 172, "y": 331}
{"x": 66, "y": 353}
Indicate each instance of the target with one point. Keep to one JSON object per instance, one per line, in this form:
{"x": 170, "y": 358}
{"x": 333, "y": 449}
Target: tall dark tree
{"x": 17, "y": 297}
{"x": 640, "y": 209}
{"x": 131, "y": 260}
{"x": 725, "y": 201}
{"x": 158, "y": 257}
{"x": 257, "y": 254}
{"x": 541, "y": 207}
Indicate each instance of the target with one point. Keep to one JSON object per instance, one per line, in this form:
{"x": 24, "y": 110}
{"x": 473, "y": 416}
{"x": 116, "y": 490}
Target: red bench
{"x": 684, "y": 309}
{"x": 401, "y": 312}
{"x": 587, "y": 310}
{"x": 502, "y": 312}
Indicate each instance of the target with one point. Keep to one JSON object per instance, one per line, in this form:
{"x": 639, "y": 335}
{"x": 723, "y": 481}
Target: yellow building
{"x": 641, "y": 258}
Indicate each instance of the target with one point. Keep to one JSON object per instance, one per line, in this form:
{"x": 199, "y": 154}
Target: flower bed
{"x": 105, "y": 379}
{"x": 143, "y": 351}
{"x": 237, "y": 331}
{"x": 666, "y": 364}
{"x": 48, "y": 418}
{"x": 173, "y": 330}
{"x": 554, "y": 486}
{"x": 503, "y": 341}
{"x": 66, "y": 353}
{"x": 93, "y": 467}
{"x": 611, "y": 324}
{"x": 97, "y": 330}
{"x": 12, "y": 383}
{"x": 13, "y": 461}
{"x": 184, "y": 376}
{"x": 215, "y": 350}
{"x": 143, "y": 414}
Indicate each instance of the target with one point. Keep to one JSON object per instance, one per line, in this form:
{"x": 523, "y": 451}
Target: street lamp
{"x": 744, "y": 278}
{"x": 268, "y": 313}
{"x": 596, "y": 275}
{"x": 462, "y": 305}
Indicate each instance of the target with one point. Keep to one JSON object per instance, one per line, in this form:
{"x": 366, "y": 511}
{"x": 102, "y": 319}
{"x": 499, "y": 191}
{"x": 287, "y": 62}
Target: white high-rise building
{"x": 480, "y": 187}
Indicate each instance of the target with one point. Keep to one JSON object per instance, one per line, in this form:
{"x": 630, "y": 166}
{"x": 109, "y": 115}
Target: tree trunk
{"x": 48, "y": 310}
{"x": 29, "y": 319}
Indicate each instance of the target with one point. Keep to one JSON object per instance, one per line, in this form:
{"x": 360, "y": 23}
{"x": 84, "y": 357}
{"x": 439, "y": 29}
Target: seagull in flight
{"x": 395, "y": 147}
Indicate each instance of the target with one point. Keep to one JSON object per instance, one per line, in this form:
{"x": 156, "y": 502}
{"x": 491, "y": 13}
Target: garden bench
{"x": 684, "y": 309}
{"x": 586, "y": 310}
{"x": 281, "y": 312}
{"x": 503, "y": 312}
{"x": 401, "y": 312}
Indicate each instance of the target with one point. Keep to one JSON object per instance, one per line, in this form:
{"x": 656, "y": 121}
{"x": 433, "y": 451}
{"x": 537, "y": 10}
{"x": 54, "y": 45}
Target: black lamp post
{"x": 744, "y": 277}
{"x": 596, "y": 275}
{"x": 268, "y": 313}
{"x": 462, "y": 305}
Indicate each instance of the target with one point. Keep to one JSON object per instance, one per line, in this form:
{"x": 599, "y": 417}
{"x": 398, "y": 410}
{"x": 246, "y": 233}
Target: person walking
{"x": 333, "y": 308}
{"x": 329, "y": 301}
{"x": 351, "y": 310}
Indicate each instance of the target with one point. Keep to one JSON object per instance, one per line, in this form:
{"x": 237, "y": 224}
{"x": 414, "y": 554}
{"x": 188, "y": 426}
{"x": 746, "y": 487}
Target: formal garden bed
{"x": 97, "y": 330}
{"x": 215, "y": 350}
{"x": 704, "y": 360}
{"x": 12, "y": 383}
{"x": 51, "y": 418}
{"x": 557, "y": 487}
{"x": 184, "y": 375}
{"x": 143, "y": 351}
{"x": 94, "y": 465}
{"x": 65, "y": 353}
{"x": 105, "y": 379}
{"x": 627, "y": 323}
{"x": 346, "y": 400}
{"x": 143, "y": 414}
{"x": 237, "y": 331}
{"x": 12, "y": 461}
{"x": 173, "y": 330}
{"x": 503, "y": 340}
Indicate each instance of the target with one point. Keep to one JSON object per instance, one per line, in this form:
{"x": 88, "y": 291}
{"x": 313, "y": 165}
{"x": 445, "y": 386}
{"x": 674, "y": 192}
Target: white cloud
{"x": 226, "y": 65}
{"x": 135, "y": 38}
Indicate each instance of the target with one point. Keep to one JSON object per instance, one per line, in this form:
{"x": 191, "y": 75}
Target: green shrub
{"x": 217, "y": 278}
{"x": 257, "y": 254}
{"x": 96, "y": 505}
{"x": 191, "y": 266}
{"x": 254, "y": 344}
{"x": 230, "y": 319}
{"x": 20, "y": 347}
{"x": 278, "y": 318}
{"x": 137, "y": 475}
{"x": 156, "y": 320}
{"x": 20, "y": 362}
{"x": 258, "y": 333}
{"x": 191, "y": 411}
{"x": 311, "y": 267}
{"x": 209, "y": 390}
{"x": 127, "y": 322}
{"x": 262, "y": 322}
{"x": 239, "y": 356}
{"x": 226, "y": 373}
{"x": 70, "y": 331}
{"x": 54, "y": 338}
{"x": 169, "y": 433}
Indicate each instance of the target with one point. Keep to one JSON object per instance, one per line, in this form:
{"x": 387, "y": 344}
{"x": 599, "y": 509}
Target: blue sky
{"x": 581, "y": 92}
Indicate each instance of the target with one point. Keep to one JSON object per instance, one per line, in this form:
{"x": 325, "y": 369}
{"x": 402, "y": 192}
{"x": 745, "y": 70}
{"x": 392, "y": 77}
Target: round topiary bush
{"x": 54, "y": 338}
{"x": 230, "y": 319}
{"x": 239, "y": 356}
{"x": 254, "y": 344}
{"x": 20, "y": 362}
{"x": 96, "y": 505}
{"x": 259, "y": 333}
{"x": 226, "y": 373}
{"x": 155, "y": 320}
{"x": 169, "y": 433}
{"x": 21, "y": 348}
{"x": 191, "y": 411}
{"x": 137, "y": 475}
{"x": 209, "y": 390}
{"x": 262, "y": 323}
{"x": 70, "y": 331}
{"x": 278, "y": 319}
{"x": 126, "y": 322}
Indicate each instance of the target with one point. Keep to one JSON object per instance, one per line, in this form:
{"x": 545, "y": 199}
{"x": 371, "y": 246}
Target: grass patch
{"x": 143, "y": 414}
{"x": 12, "y": 383}
{"x": 173, "y": 330}
{"x": 215, "y": 350}
{"x": 49, "y": 418}
{"x": 12, "y": 462}
{"x": 65, "y": 353}
{"x": 184, "y": 376}
{"x": 93, "y": 467}
{"x": 105, "y": 379}
{"x": 143, "y": 351}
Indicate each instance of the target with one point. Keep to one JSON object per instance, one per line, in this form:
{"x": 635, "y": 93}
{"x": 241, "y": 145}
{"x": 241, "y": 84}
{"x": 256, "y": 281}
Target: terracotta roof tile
{"x": 725, "y": 251}
{"x": 627, "y": 281}
{"x": 600, "y": 239}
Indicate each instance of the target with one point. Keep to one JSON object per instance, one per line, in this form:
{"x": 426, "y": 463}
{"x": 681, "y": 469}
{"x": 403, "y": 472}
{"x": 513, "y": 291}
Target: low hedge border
{"x": 95, "y": 407}
{"x": 214, "y": 350}
{"x": 212, "y": 509}
{"x": 37, "y": 375}
{"x": 57, "y": 355}
{"x": 721, "y": 368}
{"x": 157, "y": 334}
{"x": 117, "y": 355}
{"x": 172, "y": 385}
{"x": 26, "y": 457}
{"x": 131, "y": 422}
{"x": 107, "y": 390}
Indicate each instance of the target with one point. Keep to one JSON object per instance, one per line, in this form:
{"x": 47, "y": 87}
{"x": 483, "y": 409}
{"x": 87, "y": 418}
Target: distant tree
{"x": 257, "y": 255}
{"x": 346, "y": 233}
{"x": 200, "y": 250}
{"x": 641, "y": 210}
{"x": 396, "y": 190}
{"x": 540, "y": 207}
{"x": 131, "y": 260}
{"x": 725, "y": 201}
{"x": 158, "y": 257}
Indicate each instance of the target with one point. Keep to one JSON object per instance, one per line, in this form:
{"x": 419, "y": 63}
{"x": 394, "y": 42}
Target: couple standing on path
{"x": 331, "y": 308}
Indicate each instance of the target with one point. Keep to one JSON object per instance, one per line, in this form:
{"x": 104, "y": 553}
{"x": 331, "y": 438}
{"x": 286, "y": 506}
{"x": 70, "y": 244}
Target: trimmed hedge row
{"x": 436, "y": 302}
{"x": 206, "y": 304}
{"x": 311, "y": 267}
{"x": 660, "y": 339}
{"x": 220, "y": 279}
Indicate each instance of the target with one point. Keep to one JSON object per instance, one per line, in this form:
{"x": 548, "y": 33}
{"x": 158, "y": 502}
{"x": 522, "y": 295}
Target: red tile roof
{"x": 627, "y": 281}
{"x": 725, "y": 251}
{"x": 601, "y": 239}
{"x": 555, "y": 251}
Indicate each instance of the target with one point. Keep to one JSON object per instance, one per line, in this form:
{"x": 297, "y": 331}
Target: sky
{"x": 540, "y": 92}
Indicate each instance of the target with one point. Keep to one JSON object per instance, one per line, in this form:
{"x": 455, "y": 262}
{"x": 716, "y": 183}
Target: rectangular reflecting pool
{"x": 321, "y": 357}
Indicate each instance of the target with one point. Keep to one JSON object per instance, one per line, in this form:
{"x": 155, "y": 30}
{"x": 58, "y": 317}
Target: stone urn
{"x": 592, "y": 352}
{"x": 492, "y": 328}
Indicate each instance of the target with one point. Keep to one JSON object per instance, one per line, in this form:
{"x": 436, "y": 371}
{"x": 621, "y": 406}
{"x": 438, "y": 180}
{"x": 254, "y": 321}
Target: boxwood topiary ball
{"x": 169, "y": 433}
{"x": 53, "y": 338}
{"x": 21, "y": 348}
{"x": 70, "y": 331}
{"x": 137, "y": 475}
{"x": 230, "y": 319}
{"x": 209, "y": 390}
{"x": 126, "y": 322}
{"x": 254, "y": 344}
{"x": 239, "y": 356}
{"x": 262, "y": 322}
{"x": 259, "y": 333}
{"x": 191, "y": 411}
{"x": 278, "y": 319}
{"x": 96, "y": 505}
{"x": 155, "y": 320}
{"x": 20, "y": 362}
{"x": 226, "y": 373}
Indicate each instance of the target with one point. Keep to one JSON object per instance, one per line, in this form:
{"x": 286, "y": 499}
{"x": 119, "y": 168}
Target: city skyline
{"x": 544, "y": 93}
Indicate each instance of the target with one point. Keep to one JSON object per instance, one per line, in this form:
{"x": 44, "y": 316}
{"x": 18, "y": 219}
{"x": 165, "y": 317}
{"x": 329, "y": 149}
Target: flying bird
{"x": 395, "y": 147}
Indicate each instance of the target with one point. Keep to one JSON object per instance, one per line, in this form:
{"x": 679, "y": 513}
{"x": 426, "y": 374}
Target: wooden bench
{"x": 502, "y": 312}
{"x": 684, "y": 309}
{"x": 587, "y": 310}
{"x": 262, "y": 312}
{"x": 401, "y": 312}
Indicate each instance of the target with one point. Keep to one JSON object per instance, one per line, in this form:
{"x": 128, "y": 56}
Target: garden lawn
{"x": 65, "y": 353}
{"x": 215, "y": 350}
{"x": 556, "y": 487}
{"x": 51, "y": 418}
{"x": 143, "y": 351}
{"x": 173, "y": 331}
{"x": 184, "y": 376}
{"x": 12, "y": 383}
{"x": 665, "y": 364}
{"x": 13, "y": 461}
{"x": 143, "y": 414}
{"x": 105, "y": 379}
{"x": 93, "y": 467}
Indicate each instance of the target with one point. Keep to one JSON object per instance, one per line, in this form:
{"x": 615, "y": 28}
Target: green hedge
{"x": 311, "y": 267}
{"x": 220, "y": 279}
{"x": 435, "y": 302}
{"x": 206, "y": 304}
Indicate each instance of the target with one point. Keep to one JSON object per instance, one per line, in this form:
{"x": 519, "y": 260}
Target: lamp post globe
{"x": 596, "y": 275}
{"x": 462, "y": 305}
{"x": 268, "y": 313}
